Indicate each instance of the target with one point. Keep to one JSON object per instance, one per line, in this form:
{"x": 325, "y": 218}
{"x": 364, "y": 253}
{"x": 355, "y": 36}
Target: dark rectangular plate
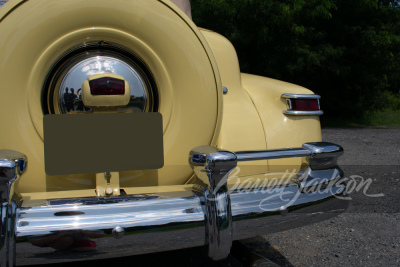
{"x": 102, "y": 142}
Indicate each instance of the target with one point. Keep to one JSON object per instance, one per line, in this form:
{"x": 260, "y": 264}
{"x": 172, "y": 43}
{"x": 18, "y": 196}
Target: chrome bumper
{"x": 209, "y": 214}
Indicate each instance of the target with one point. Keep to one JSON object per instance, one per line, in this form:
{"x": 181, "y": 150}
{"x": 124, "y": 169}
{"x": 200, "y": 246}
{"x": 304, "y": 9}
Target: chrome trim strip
{"x": 148, "y": 228}
{"x": 322, "y": 159}
{"x": 169, "y": 222}
{"x": 289, "y": 103}
{"x": 303, "y": 113}
{"x": 301, "y": 96}
{"x": 272, "y": 154}
{"x": 264, "y": 210}
{"x": 288, "y": 98}
{"x": 12, "y": 165}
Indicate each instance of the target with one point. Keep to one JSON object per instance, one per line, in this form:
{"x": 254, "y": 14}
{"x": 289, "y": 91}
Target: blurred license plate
{"x": 106, "y": 142}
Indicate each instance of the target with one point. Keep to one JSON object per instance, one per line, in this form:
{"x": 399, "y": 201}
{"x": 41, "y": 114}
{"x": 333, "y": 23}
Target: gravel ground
{"x": 368, "y": 234}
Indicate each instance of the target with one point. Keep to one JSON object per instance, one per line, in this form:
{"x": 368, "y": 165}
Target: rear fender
{"x": 281, "y": 130}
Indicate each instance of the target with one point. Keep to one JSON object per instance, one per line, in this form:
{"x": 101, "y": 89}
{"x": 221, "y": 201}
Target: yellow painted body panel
{"x": 190, "y": 67}
{"x": 35, "y": 34}
{"x": 252, "y": 114}
{"x": 241, "y": 126}
{"x": 282, "y": 131}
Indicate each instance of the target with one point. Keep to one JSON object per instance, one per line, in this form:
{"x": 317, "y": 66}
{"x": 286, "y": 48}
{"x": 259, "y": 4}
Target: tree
{"x": 347, "y": 51}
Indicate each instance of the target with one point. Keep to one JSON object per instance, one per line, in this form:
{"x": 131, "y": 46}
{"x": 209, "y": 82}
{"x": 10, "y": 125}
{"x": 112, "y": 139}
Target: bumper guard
{"x": 208, "y": 214}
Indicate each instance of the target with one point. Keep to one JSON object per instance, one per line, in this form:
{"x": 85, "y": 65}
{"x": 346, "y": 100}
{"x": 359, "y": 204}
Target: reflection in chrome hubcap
{"x": 63, "y": 86}
{"x": 96, "y": 65}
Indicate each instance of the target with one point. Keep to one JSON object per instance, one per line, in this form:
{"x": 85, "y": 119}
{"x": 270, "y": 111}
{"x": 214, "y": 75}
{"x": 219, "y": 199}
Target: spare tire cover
{"x": 36, "y": 33}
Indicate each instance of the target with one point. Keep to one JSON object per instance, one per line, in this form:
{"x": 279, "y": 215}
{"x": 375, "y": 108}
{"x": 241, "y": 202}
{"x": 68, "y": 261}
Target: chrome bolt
{"x": 118, "y": 232}
{"x": 283, "y": 210}
{"x": 109, "y": 191}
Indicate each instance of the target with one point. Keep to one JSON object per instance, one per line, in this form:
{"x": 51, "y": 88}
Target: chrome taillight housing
{"x": 302, "y": 104}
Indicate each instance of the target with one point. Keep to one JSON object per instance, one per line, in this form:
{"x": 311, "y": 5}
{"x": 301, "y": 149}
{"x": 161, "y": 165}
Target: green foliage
{"x": 347, "y": 51}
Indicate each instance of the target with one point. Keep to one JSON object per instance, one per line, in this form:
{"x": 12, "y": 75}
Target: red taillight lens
{"x": 107, "y": 86}
{"x": 304, "y": 104}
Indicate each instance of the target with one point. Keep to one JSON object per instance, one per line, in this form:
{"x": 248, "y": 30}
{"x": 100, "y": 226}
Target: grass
{"x": 386, "y": 118}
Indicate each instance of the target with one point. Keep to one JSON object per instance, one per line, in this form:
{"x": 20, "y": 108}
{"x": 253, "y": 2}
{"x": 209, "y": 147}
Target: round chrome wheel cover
{"x": 69, "y": 76}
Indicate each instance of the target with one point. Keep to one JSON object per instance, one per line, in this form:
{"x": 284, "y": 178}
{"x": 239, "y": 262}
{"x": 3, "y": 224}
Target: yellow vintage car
{"x": 126, "y": 129}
